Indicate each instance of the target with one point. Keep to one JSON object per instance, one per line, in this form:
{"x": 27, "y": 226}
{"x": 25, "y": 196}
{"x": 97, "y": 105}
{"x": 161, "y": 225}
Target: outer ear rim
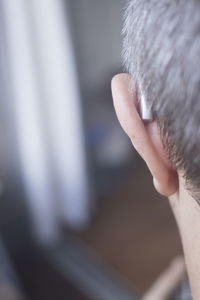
{"x": 166, "y": 179}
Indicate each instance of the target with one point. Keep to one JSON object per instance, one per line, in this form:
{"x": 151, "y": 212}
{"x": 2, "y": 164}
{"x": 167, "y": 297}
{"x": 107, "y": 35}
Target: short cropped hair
{"x": 161, "y": 51}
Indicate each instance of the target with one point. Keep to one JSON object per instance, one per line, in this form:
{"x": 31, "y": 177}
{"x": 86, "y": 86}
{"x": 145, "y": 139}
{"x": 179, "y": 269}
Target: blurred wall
{"x": 96, "y": 31}
{"x": 96, "y": 27}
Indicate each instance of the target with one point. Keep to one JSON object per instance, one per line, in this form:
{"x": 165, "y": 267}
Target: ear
{"x": 144, "y": 136}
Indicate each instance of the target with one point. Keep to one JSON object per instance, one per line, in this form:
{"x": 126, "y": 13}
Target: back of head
{"x": 161, "y": 52}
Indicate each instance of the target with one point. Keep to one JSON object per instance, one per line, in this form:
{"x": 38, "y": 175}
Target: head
{"x": 161, "y": 51}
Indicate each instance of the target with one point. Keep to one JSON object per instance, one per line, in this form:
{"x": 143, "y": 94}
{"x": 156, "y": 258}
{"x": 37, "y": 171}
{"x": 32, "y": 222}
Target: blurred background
{"x": 79, "y": 218}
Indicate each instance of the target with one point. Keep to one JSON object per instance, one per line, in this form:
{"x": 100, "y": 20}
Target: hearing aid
{"x": 144, "y": 109}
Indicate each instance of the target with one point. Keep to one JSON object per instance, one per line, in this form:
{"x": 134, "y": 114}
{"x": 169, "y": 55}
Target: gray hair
{"x": 161, "y": 51}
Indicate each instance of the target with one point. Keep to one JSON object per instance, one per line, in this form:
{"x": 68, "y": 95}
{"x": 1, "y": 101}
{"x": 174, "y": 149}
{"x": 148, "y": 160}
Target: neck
{"x": 187, "y": 213}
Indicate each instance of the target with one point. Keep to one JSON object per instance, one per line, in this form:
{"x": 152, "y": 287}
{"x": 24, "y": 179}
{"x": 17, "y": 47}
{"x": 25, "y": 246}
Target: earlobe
{"x": 145, "y": 137}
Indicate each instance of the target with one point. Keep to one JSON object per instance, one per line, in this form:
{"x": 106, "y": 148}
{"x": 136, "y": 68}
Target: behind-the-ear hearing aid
{"x": 145, "y": 111}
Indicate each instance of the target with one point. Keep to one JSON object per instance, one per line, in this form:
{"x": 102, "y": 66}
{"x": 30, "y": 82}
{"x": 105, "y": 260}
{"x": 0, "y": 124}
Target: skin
{"x": 168, "y": 181}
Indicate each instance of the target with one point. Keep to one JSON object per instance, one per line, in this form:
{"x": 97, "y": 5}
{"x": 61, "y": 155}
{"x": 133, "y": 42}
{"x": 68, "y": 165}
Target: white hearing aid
{"x": 145, "y": 111}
